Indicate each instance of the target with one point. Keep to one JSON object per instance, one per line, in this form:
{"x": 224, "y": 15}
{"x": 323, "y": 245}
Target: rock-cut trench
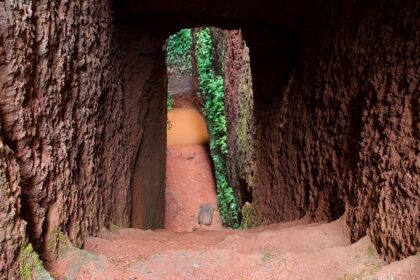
{"x": 194, "y": 244}
{"x": 190, "y": 182}
{"x": 323, "y": 106}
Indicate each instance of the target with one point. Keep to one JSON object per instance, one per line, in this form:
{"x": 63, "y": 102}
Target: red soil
{"x": 189, "y": 184}
{"x": 187, "y": 126}
{"x": 283, "y": 251}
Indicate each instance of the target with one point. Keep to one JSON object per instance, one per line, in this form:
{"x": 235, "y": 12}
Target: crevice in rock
{"x": 245, "y": 193}
{"x": 27, "y": 214}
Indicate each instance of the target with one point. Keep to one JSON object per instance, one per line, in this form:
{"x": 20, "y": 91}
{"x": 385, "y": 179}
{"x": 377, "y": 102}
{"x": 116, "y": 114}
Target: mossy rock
{"x": 114, "y": 228}
{"x": 30, "y": 265}
{"x": 371, "y": 251}
{"x": 250, "y": 217}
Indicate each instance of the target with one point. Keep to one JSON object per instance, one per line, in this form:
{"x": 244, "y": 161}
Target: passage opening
{"x": 197, "y": 133}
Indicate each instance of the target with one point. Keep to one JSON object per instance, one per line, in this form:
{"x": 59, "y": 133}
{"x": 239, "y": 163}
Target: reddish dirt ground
{"x": 289, "y": 251}
{"x": 190, "y": 181}
{"x": 189, "y": 184}
{"x": 186, "y": 126}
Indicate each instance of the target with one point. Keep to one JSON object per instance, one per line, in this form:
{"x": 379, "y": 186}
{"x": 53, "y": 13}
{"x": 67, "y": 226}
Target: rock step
{"x": 290, "y": 251}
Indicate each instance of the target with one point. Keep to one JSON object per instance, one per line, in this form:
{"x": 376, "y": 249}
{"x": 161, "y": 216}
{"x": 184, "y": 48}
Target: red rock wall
{"x": 63, "y": 116}
{"x": 145, "y": 75}
{"x": 386, "y": 203}
{"x": 339, "y": 129}
{"x": 239, "y": 107}
{"x": 12, "y": 228}
{"x": 336, "y": 108}
{"x": 82, "y": 109}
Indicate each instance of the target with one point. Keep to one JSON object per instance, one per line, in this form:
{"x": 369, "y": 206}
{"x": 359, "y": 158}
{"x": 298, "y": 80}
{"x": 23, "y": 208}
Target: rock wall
{"x": 63, "y": 118}
{"x": 386, "y": 202}
{"x": 12, "y": 228}
{"x": 145, "y": 100}
{"x": 83, "y": 125}
{"x": 338, "y": 131}
{"x": 336, "y": 106}
{"x": 239, "y": 107}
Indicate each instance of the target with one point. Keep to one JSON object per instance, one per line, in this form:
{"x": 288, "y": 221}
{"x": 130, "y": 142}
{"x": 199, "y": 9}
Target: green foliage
{"x": 29, "y": 263}
{"x": 250, "y": 217}
{"x": 169, "y": 101}
{"x": 169, "y": 107}
{"x": 212, "y": 92}
{"x": 179, "y": 47}
{"x": 178, "y": 51}
{"x": 114, "y": 228}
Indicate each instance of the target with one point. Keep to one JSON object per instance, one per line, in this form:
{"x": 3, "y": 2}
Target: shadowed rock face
{"x": 217, "y": 12}
{"x": 336, "y": 108}
{"x": 343, "y": 133}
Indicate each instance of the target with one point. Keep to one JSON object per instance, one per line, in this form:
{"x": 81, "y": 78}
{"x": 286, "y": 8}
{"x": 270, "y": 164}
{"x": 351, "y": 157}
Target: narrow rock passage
{"x": 183, "y": 250}
{"x": 187, "y": 250}
{"x": 190, "y": 184}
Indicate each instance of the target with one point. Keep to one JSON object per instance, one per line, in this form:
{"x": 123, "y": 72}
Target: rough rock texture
{"x": 12, "y": 228}
{"x": 218, "y": 40}
{"x": 290, "y": 251}
{"x": 145, "y": 76}
{"x": 73, "y": 127}
{"x": 387, "y": 200}
{"x": 219, "y": 13}
{"x": 63, "y": 116}
{"x": 336, "y": 110}
{"x": 240, "y": 117}
{"x": 339, "y": 128}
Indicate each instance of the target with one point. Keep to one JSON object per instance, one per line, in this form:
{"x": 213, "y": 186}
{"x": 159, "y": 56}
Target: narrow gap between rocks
{"x": 151, "y": 190}
{"x": 191, "y": 191}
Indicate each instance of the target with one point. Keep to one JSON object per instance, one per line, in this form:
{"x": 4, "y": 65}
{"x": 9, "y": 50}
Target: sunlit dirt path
{"x": 186, "y": 126}
{"x": 190, "y": 183}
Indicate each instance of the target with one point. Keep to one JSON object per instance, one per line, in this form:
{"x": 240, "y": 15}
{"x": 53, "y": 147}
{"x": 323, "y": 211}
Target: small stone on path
{"x": 205, "y": 215}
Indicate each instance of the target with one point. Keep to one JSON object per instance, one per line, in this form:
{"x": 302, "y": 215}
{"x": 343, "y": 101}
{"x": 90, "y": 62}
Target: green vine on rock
{"x": 169, "y": 107}
{"x": 179, "y": 59}
{"x": 29, "y": 263}
{"x": 178, "y": 51}
{"x": 212, "y": 93}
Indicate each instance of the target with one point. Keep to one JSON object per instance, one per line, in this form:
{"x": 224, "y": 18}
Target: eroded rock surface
{"x": 336, "y": 106}
{"x": 12, "y": 228}
{"x": 342, "y": 132}
{"x": 63, "y": 116}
